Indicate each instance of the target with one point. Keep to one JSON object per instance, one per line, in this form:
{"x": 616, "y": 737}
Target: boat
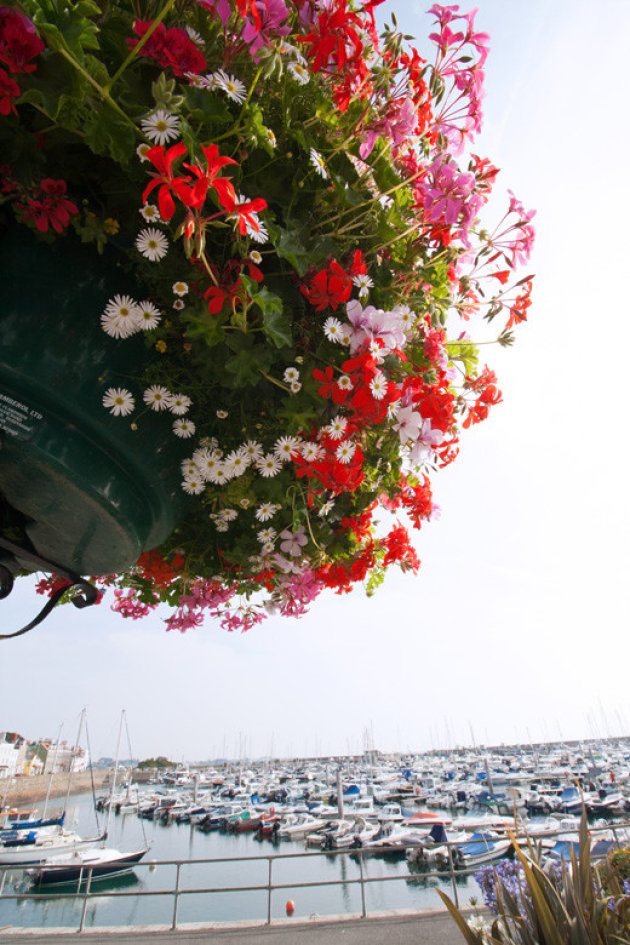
{"x": 483, "y": 847}
{"x": 83, "y": 864}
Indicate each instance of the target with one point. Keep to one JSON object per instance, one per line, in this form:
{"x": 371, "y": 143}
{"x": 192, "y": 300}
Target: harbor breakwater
{"x": 19, "y": 792}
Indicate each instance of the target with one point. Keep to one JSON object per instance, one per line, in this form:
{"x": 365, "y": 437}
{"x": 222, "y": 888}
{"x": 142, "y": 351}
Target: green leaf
{"x": 64, "y": 25}
{"x": 278, "y": 328}
{"x": 208, "y": 327}
{"x": 107, "y": 132}
{"x": 473, "y": 938}
{"x": 248, "y": 361}
{"x": 289, "y": 245}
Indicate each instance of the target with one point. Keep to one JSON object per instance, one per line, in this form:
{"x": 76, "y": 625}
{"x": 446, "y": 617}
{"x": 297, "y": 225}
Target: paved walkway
{"x": 422, "y": 928}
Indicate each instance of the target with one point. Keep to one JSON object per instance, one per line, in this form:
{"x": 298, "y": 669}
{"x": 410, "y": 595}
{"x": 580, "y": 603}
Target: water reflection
{"x": 183, "y": 842}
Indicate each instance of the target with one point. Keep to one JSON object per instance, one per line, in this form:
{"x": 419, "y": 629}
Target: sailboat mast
{"x": 111, "y": 795}
{"x": 52, "y": 771}
{"x": 71, "y": 771}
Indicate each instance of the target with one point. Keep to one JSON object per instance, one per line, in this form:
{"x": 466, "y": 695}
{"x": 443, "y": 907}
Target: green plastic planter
{"x": 93, "y": 491}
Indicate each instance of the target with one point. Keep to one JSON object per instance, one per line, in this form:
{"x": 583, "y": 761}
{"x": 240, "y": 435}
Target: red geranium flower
{"x": 49, "y": 206}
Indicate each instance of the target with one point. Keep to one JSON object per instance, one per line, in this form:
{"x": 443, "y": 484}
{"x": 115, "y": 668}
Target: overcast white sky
{"x": 516, "y": 627}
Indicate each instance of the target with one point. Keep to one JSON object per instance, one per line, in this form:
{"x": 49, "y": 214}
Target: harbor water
{"x": 402, "y": 890}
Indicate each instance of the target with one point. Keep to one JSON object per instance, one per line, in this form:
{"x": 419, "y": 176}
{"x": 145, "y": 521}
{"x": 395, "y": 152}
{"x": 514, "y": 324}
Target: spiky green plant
{"x": 584, "y": 903}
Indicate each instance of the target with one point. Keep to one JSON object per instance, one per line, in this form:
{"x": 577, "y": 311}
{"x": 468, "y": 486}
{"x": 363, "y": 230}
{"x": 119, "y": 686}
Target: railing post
{"x": 85, "y": 896}
{"x": 363, "y": 907}
{"x": 176, "y": 898}
{"x": 452, "y": 867}
{"x": 269, "y": 891}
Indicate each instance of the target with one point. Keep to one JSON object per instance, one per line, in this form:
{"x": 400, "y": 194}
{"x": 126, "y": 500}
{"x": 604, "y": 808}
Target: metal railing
{"x": 454, "y": 874}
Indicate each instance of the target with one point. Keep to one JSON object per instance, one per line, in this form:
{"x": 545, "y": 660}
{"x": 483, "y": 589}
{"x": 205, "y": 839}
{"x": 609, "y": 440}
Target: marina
{"x": 354, "y": 837}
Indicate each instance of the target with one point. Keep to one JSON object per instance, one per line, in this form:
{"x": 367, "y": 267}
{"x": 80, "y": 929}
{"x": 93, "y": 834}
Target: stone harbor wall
{"x": 21, "y": 792}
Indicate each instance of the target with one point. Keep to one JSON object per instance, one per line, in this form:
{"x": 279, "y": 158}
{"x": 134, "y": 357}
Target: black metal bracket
{"x": 86, "y": 596}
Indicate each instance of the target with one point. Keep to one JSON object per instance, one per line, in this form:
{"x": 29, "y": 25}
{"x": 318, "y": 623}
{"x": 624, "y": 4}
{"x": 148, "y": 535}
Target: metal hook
{"x": 86, "y": 596}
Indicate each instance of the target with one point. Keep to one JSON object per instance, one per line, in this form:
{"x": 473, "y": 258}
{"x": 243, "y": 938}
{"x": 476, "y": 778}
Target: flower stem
{"x": 102, "y": 91}
{"x": 272, "y": 380}
{"x": 136, "y": 49}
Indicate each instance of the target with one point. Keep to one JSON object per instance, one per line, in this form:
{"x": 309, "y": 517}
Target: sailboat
{"x": 89, "y": 863}
{"x": 35, "y": 841}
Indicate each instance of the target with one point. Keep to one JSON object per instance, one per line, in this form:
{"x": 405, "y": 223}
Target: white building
{"x": 12, "y": 753}
{"x": 62, "y": 758}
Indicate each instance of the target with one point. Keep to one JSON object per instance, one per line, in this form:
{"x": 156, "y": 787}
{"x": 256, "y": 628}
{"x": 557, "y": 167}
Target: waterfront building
{"x": 12, "y": 753}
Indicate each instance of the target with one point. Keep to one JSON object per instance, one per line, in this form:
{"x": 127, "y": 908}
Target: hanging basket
{"x": 87, "y": 491}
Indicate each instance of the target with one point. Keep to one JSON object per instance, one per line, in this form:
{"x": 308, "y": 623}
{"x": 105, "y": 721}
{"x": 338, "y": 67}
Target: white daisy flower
{"x": 120, "y": 317}
{"x": 179, "y": 404}
{"x": 271, "y": 138}
{"x": 221, "y": 525}
{"x": 236, "y": 463}
{"x": 150, "y": 213}
{"x": 260, "y": 235}
{"x": 222, "y": 414}
{"x": 152, "y": 243}
{"x": 364, "y": 284}
{"x": 378, "y": 386}
{"x": 298, "y": 72}
{"x": 345, "y": 451}
{"x": 233, "y": 87}
{"x": 245, "y": 503}
{"x": 197, "y": 81}
{"x": 218, "y": 474}
{"x": 345, "y": 337}
{"x": 336, "y": 427}
{"x": 266, "y": 511}
{"x": 183, "y": 428}
{"x": 268, "y": 548}
{"x": 344, "y": 382}
{"x": 195, "y": 36}
{"x": 148, "y": 315}
{"x": 291, "y": 374}
{"x": 118, "y": 401}
{"x": 206, "y": 462}
{"x": 209, "y": 442}
{"x": 333, "y": 328}
{"x": 180, "y": 288}
{"x": 269, "y": 465}
{"x": 296, "y": 387}
{"x": 141, "y": 151}
{"x": 229, "y": 514}
{"x": 325, "y": 509}
{"x": 193, "y": 485}
{"x": 266, "y": 535}
{"x": 161, "y": 127}
{"x": 285, "y": 446}
{"x": 179, "y": 304}
{"x": 210, "y": 81}
{"x": 375, "y": 350}
{"x": 310, "y": 451}
{"x": 189, "y": 468}
{"x": 156, "y": 397}
{"x": 253, "y": 450}
{"x": 318, "y": 163}
{"x": 255, "y": 257}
